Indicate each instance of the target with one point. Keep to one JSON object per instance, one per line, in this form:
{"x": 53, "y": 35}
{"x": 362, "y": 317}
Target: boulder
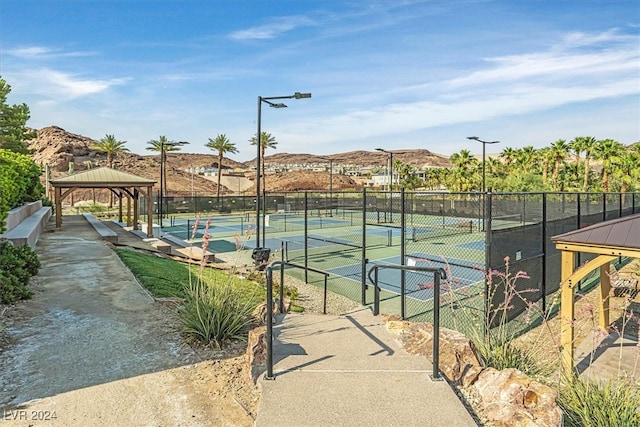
{"x": 458, "y": 356}
{"x": 511, "y": 398}
{"x": 256, "y": 352}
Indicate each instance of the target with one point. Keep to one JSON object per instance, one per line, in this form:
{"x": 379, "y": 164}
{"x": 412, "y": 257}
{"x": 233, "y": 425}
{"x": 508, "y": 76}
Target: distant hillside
{"x": 418, "y": 158}
{"x": 58, "y": 148}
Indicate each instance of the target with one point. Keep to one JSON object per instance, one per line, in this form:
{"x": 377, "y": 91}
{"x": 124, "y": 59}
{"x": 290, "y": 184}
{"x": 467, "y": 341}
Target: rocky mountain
{"x": 418, "y": 158}
{"x": 60, "y": 149}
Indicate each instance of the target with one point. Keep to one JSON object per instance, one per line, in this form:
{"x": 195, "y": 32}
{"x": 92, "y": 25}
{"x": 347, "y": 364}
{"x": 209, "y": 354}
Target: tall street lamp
{"x": 390, "y": 180}
{"x": 267, "y": 100}
{"x": 487, "y": 229}
{"x": 484, "y": 143}
{"x": 163, "y": 159}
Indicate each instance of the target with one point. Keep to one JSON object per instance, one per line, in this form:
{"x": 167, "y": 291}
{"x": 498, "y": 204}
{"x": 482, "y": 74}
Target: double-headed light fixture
{"x": 267, "y": 100}
{"x": 484, "y": 143}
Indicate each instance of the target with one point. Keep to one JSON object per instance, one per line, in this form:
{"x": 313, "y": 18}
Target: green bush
{"x": 19, "y": 181}
{"x": 587, "y": 403}
{"x": 216, "y": 312}
{"x": 17, "y": 265}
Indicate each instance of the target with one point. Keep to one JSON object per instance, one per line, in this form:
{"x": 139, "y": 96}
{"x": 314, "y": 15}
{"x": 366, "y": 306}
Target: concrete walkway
{"x": 349, "y": 371}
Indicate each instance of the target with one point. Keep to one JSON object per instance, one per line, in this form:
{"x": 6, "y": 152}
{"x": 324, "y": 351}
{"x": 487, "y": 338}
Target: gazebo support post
{"x": 136, "y": 208}
{"x": 120, "y": 206}
{"x": 605, "y": 289}
{"x": 149, "y": 212}
{"x": 58, "y": 201}
{"x": 567, "y": 310}
{"x": 128, "y": 210}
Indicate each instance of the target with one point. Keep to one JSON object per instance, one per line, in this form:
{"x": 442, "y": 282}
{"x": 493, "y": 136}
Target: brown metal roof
{"x": 621, "y": 233}
{"x": 102, "y": 178}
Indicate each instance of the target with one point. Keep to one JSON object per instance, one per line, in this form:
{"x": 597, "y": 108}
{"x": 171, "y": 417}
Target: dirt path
{"x": 93, "y": 348}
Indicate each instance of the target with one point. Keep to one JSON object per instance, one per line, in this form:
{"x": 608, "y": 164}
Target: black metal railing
{"x": 269, "y": 333}
{"x": 438, "y": 273}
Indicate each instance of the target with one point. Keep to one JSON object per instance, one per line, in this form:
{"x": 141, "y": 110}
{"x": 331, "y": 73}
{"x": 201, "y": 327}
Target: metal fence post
{"x": 435, "y": 376}
{"x": 487, "y": 257}
{"x": 403, "y": 226}
{"x": 544, "y": 253}
{"x": 306, "y": 235}
{"x": 269, "y": 332}
{"x": 363, "y": 273}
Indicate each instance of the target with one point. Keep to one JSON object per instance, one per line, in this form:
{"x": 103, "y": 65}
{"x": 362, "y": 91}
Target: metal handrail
{"x": 438, "y": 273}
{"x": 269, "y": 333}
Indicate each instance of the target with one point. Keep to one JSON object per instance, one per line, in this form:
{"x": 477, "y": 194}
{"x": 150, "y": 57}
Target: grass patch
{"x": 217, "y": 306}
{"x": 164, "y": 278}
{"x": 589, "y": 403}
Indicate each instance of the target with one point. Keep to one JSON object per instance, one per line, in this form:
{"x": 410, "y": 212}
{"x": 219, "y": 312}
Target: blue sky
{"x": 393, "y": 74}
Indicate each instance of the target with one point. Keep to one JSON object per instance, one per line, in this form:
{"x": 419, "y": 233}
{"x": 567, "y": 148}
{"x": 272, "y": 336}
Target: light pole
{"x": 163, "y": 159}
{"x": 390, "y": 181}
{"x": 484, "y": 143}
{"x": 487, "y": 230}
{"x": 267, "y": 100}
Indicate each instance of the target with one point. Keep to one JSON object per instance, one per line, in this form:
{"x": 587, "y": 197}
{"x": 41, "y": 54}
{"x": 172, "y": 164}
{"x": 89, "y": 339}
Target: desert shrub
{"x": 495, "y": 335}
{"x": 17, "y": 265}
{"x": 218, "y": 307}
{"x": 589, "y": 403}
{"x": 215, "y": 312}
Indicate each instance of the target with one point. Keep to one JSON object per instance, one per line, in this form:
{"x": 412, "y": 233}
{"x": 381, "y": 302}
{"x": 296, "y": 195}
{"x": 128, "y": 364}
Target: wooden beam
{"x": 58, "y": 202}
{"x": 149, "y": 212}
{"x": 567, "y": 310}
{"x": 136, "y": 207}
{"x": 598, "y": 249}
{"x": 605, "y": 289}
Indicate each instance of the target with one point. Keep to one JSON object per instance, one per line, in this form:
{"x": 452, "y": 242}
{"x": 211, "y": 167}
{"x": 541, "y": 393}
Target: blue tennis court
{"x": 477, "y": 245}
{"x": 418, "y": 285}
{"x": 294, "y": 243}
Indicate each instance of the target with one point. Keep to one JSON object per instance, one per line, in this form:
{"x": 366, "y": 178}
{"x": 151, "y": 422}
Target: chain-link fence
{"x": 472, "y": 237}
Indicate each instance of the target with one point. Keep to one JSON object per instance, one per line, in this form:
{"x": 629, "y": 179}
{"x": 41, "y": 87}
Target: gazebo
{"x": 122, "y": 184}
{"x": 608, "y": 240}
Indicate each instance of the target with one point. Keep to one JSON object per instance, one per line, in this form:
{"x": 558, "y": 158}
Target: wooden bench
{"x": 28, "y": 230}
{"x": 105, "y": 232}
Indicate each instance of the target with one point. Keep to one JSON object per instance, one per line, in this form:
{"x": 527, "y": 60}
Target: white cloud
{"x": 272, "y": 29}
{"x": 42, "y": 52}
{"x": 65, "y": 85}
{"x": 560, "y": 64}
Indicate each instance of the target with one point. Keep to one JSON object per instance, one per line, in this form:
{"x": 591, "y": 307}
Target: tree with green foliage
{"x": 19, "y": 182}
{"x": 111, "y": 146}
{"x": 584, "y": 144}
{"x": 608, "y": 152}
{"x": 222, "y": 145}
{"x": 559, "y": 152}
{"x": 266, "y": 141}
{"x": 463, "y": 174}
{"x": 13, "y": 120}
{"x": 163, "y": 145}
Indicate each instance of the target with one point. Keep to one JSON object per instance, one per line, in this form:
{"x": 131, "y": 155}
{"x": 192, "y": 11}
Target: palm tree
{"x": 508, "y": 155}
{"x": 545, "y": 155}
{"x": 221, "y": 144}
{"x": 464, "y": 163}
{"x": 266, "y": 141}
{"x": 609, "y": 152}
{"x": 110, "y": 145}
{"x": 586, "y": 144}
{"x": 628, "y": 169}
{"x": 559, "y": 151}
{"x": 163, "y": 146}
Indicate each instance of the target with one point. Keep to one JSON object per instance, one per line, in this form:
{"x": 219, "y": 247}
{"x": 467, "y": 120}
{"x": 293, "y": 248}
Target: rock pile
{"x": 507, "y": 398}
